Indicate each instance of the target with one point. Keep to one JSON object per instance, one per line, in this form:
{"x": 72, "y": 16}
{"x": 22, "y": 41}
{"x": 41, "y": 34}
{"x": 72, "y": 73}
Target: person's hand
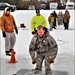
{"x": 4, "y": 34}
{"x": 34, "y": 32}
{"x": 51, "y": 60}
{"x": 16, "y": 31}
{"x": 34, "y": 61}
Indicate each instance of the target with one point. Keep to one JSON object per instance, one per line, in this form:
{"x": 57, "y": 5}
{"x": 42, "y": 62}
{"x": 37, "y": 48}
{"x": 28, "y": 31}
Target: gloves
{"x": 4, "y": 34}
{"x": 33, "y": 61}
{"x": 34, "y": 33}
{"x": 16, "y": 31}
{"x": 35, "y": 30}
{"x": 51, "y": 60}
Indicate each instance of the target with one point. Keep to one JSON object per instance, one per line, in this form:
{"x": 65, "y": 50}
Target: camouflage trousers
{"x": 40, "y": 58}
{"x": 51, "y": 26}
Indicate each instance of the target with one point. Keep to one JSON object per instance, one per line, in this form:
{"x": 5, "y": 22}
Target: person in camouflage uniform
{"x": 60, "y": 18}
{"x": 43, "y": 47}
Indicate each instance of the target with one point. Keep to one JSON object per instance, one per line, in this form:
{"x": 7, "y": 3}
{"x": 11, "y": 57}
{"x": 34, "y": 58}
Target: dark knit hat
{"x": 8, "y": 9}
{"x": 37, "y": 11}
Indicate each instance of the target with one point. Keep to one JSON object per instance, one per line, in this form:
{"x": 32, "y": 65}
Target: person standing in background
{"x": 37, "y": 20}
{"x": 51, "y": 21}
{"x": 60, "y": 18}
{"x": 67, "y": 13}
{"x": 55, "y": 16}
{"x": 66, "y": 21}
{"x": 7, "y": 26}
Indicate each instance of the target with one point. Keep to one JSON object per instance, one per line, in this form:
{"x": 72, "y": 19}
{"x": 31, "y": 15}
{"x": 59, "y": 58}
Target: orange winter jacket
{"x": 7, "y": 23}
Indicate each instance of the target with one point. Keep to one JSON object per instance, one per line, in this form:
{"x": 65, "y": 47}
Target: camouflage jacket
{"x": 60, "y": 17}
{"x": 46, "y": 44}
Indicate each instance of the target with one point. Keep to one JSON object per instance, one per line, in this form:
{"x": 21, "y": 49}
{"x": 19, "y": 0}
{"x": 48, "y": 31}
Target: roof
{"x": 70, "y": 3}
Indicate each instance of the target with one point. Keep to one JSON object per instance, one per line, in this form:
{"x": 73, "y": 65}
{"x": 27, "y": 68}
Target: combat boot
{"x": 7, "y": 53}
{"x": 48, "y": 72}
{"x": 37, "y": 71}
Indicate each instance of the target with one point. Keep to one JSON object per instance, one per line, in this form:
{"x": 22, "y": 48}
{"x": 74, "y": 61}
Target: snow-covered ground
{"x": 65, "y": 39}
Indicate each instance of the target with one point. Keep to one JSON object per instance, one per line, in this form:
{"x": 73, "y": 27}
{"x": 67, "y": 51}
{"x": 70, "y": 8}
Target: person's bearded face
{"x": 7, "y": 13}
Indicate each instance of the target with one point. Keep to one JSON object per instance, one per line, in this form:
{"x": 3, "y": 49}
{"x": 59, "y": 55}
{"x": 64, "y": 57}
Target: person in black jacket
{"x": 55, "y": 16}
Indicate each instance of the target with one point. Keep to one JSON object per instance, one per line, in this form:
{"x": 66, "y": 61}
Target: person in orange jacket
{"x": 7, "y": 26}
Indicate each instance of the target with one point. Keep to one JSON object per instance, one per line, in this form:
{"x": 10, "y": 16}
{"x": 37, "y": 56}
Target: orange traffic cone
{"x": 12, "y": 60}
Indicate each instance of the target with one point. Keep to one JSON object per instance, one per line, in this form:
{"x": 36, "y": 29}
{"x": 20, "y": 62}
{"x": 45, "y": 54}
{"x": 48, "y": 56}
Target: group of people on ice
{"x": 60, "y": 18}
{"x": 42, "y": 46}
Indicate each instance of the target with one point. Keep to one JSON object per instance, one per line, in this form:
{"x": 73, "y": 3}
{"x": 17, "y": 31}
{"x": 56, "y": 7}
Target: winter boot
{"x": 7, "y": 53}
{"x": 54, "y": 28}
{"x": 48, "y": 72}
{"x": 10, "y": 50}
{"x": 37, "y": 71}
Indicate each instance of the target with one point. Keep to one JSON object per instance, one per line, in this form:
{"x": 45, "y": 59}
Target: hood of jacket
{"x": 4, "y": 13}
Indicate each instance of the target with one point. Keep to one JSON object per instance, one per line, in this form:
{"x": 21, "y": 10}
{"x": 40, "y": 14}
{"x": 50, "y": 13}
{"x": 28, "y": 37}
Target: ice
{"x": 65, "y": 39}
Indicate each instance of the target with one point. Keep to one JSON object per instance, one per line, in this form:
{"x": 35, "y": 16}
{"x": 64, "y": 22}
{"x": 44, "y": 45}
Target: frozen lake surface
{"x": 65, "y": 39}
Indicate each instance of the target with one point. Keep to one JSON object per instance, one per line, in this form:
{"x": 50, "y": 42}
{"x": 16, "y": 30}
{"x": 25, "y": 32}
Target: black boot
{"x": 10, "y": 50}
{"x": 54, "y": 28}
{"x": 7, "y": 53}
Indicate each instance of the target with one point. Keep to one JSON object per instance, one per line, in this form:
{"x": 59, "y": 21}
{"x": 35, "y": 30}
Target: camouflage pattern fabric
{"x": 43, "y": 48}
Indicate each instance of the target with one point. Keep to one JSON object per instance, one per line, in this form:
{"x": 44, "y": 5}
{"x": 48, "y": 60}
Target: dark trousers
{"x": 54, "y": 24}
{"x": 66, "y": 26}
